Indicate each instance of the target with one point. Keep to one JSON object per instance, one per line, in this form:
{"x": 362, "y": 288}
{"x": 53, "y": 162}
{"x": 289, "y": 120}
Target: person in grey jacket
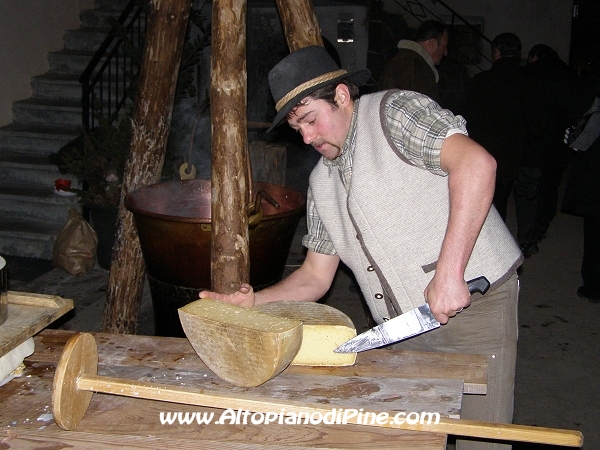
{"x": 413, "y": 68}
{"x": 403, "y": 197}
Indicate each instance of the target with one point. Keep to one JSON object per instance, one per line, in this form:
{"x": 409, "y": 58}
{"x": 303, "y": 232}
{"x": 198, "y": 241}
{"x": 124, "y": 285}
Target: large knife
{"x": 407, "y": 325}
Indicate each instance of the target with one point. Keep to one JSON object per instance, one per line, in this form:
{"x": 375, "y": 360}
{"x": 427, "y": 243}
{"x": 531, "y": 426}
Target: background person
{"x": 582, "y": 193}
{"x": 558, "y": 84}
{"x": 413, "y": 67}
{"x": 503, "y": 109}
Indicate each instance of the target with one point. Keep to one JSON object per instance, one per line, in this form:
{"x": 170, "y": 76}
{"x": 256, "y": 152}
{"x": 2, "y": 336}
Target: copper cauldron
{"x": 173, "y": 221}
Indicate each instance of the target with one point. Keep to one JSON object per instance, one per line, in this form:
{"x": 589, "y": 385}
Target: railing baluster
{"x": 100, "y": 79}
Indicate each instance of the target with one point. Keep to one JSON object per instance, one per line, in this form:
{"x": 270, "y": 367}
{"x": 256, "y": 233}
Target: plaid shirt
{"x": 417, "y": 128}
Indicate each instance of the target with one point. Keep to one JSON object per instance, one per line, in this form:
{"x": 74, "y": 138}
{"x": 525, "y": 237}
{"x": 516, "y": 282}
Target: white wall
{"x": 29, "y": 29}
{"x": 534, "y": 21}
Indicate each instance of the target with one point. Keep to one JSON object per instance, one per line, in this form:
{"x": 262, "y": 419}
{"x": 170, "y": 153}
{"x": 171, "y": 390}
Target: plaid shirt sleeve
{"x": 418, "y": 127}
{"x": 317, "y": 238}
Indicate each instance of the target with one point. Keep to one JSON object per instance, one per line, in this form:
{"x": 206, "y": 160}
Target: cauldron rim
{"x": 202, "y": 186}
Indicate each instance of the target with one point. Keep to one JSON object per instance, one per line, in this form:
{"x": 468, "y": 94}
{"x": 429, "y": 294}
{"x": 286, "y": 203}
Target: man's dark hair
{"x": 543, "y": 52}
{"x": 430, "y": 29}
{"x": 508, "y": 44}
{"x": 327, "y": 93}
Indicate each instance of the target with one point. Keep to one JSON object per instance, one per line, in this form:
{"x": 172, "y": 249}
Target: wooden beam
{"x": 230, "y": 259}
{"x": 299, "y": 23}
{"x": 151, "y": 124}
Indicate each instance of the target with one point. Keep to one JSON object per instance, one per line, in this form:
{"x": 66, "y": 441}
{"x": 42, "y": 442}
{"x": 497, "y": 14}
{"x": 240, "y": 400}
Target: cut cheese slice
{"x": 324, "y": 329}
{"x": 240, "y": 345}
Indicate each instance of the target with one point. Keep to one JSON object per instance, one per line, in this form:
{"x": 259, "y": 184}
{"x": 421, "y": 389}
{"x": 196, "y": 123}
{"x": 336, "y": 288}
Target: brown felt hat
{"x": 302, "y": 72}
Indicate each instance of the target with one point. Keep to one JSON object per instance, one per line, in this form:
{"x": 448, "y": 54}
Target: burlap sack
{"x": 75, "y": 246}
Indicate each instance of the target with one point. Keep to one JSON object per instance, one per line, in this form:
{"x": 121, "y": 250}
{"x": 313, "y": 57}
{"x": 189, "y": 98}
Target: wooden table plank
{"x": 472, "y": 369}
{"x": 58, "y": 439}
{"x": 116, "y": 421}
{"x": 374, "y": 394}
{"x": 152, "y": 351}
{"x": 323, "y": 389}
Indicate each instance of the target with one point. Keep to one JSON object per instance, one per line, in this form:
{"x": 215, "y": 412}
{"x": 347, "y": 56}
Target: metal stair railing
{"x": 421, "y": 12}
{"x": 108, "y": 80}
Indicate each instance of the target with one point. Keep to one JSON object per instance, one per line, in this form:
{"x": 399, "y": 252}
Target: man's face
{"x": 322, "y": 125}
{"x": 438, "y": 49}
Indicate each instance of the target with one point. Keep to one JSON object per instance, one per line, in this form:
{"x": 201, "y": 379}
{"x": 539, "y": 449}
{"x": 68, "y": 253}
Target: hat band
{"x": 306, "y": 85}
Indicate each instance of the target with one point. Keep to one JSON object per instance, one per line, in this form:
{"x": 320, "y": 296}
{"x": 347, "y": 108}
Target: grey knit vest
{"x": 389, "y": 227}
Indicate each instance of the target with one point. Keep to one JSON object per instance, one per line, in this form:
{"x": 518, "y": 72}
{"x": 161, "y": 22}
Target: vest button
{"x": 385, "y": 319}
{"x": 378, "y": 296}
{"x": 370, "y": 269}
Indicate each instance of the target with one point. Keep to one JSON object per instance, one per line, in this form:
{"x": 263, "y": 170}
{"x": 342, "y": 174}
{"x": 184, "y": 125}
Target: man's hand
{"x": 447, "y": 298}
{"x": 308, "y": 284}
{"x": 244, "y": 297}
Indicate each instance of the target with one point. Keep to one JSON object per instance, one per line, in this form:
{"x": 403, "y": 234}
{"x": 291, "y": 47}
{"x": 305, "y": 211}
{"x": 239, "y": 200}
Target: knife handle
{"x": 479, "y": 284}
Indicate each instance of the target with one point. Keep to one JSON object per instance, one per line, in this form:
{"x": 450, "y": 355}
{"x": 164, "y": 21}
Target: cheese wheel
{"x": 240, "y": 345}
{"x": 323, "y": 330}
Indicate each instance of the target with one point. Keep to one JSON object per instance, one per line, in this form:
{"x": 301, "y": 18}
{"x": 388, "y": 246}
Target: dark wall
{"x": 265, "y": 46}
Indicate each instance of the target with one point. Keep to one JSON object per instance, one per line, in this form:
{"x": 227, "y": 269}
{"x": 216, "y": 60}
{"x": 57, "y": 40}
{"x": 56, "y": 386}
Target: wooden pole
{"x": 230, "y": 259}
{"x": 299, "y": 23}
{"x": 151, "y": 124}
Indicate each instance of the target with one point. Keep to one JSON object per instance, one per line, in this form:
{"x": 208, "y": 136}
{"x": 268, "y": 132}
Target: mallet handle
{"x": 201, "y": 397}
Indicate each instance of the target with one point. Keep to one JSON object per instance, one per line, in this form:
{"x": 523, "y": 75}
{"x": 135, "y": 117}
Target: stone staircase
{"x": 31, "y": 213}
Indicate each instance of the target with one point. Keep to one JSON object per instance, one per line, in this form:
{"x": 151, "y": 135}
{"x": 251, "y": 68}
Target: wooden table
{"x": 383, "y": 380}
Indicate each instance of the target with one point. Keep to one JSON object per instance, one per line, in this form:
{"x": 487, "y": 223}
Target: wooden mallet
{"x": 76, "y": 379}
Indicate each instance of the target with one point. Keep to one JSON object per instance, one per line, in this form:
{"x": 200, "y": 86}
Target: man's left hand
{"x": 447, "y": 297}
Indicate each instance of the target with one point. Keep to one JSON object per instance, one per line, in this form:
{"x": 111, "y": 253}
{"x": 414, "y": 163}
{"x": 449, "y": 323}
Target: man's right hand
{"x": 309, "y": 283}
{"x": 244, "y": 297}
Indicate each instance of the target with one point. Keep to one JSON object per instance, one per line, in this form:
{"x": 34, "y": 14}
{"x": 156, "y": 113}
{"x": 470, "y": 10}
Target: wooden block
{"x": 28, "y": 314}
{"x": 269, "y": 162}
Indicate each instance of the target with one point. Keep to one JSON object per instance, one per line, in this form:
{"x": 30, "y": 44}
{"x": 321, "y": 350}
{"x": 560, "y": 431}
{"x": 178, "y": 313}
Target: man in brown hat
{"x": 403, "y": 197}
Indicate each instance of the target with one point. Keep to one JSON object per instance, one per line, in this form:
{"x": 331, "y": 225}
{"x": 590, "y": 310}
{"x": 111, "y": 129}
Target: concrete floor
{"x": 559, "y": 350}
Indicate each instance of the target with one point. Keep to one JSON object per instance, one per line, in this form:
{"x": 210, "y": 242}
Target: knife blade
{"x": 412, "y": 323}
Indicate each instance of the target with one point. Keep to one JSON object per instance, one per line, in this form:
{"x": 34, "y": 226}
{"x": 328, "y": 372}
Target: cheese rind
{"x": 324, "y": 329}
{"x": 240, "y": 345}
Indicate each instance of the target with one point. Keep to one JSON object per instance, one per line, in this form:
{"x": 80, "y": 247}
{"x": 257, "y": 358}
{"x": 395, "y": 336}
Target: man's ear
{"x": 342, "y": 95}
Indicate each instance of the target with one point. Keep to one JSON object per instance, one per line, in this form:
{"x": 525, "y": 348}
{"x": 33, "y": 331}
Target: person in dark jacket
{"x": 582, "y": 193}
{"x": 545, "y": 156}
{"x": 413, "y": 67}
{"x": 502, "y": 108}
{"x": 548, "y": 152}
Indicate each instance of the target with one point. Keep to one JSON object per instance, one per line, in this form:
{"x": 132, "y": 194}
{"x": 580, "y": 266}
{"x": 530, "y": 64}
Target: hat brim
{"x": 358, "y": 77}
